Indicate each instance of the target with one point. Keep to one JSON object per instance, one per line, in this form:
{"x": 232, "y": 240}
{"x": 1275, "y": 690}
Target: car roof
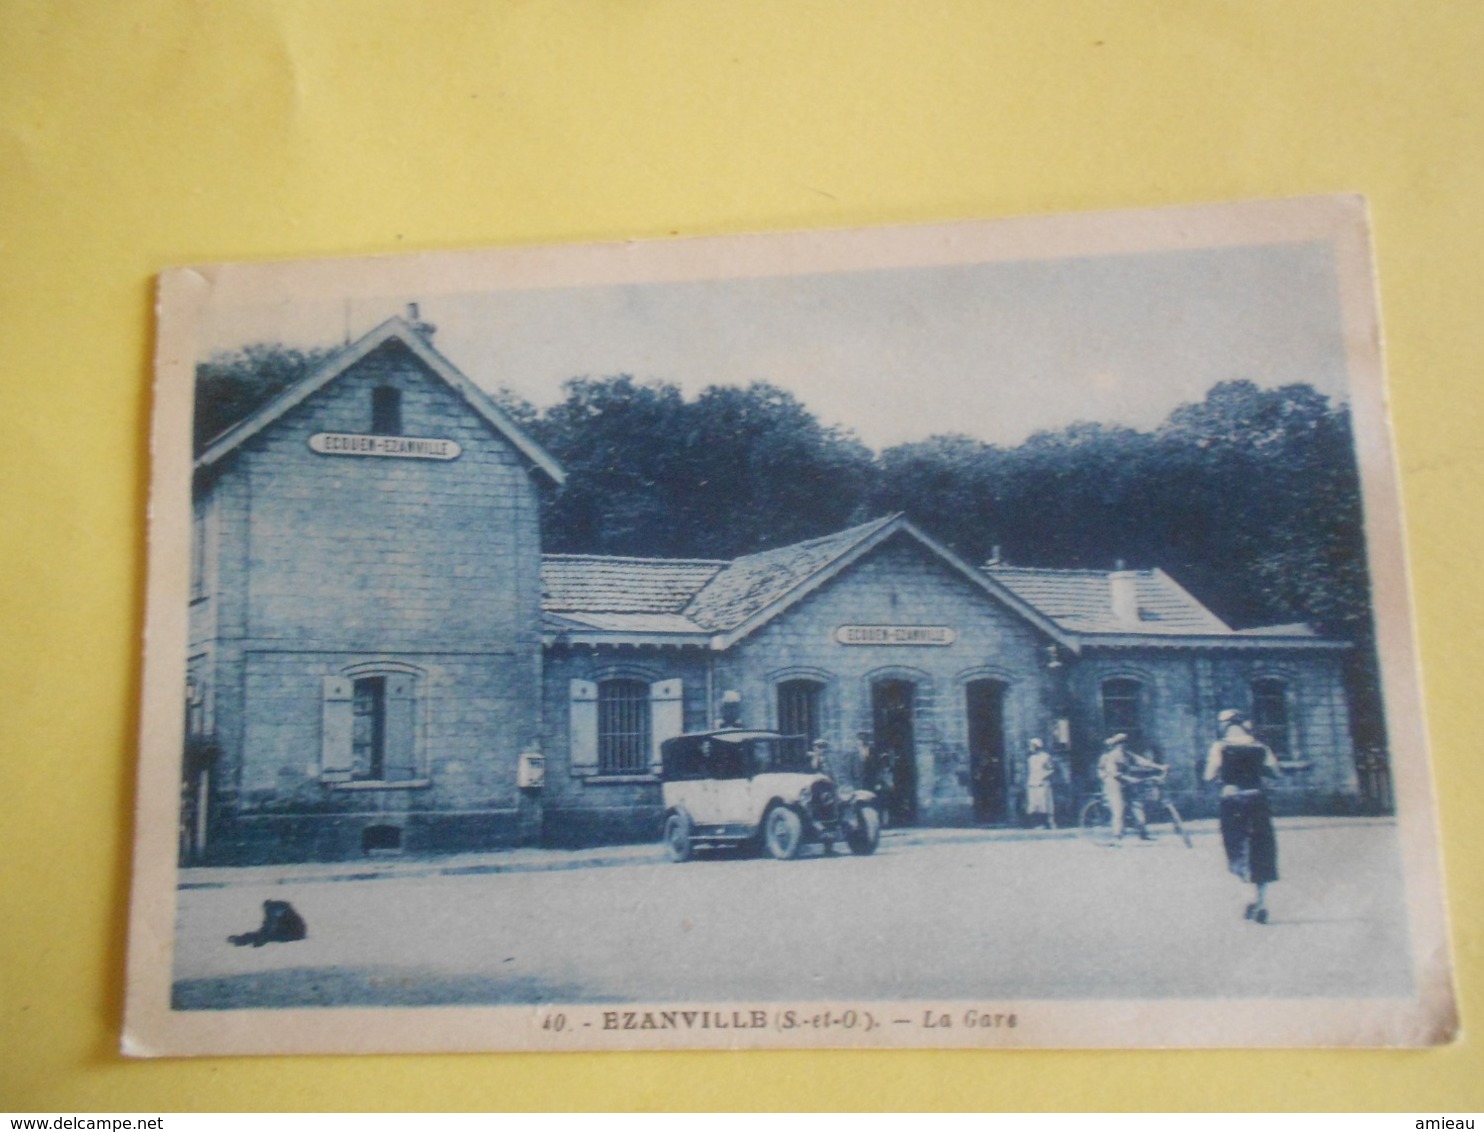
{"x": 732, "y": 735}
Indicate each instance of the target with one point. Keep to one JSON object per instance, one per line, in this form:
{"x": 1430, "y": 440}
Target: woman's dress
{"x": 1246, "y": 818}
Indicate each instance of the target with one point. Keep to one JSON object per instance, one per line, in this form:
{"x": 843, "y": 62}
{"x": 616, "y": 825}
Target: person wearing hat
{"x": 1040, "y": 805}
{"x": 1114, "y": 770}
{"x": 876, "y": 775}
{"x": 819, "y": 758}
{"x": 1241, "y": 764}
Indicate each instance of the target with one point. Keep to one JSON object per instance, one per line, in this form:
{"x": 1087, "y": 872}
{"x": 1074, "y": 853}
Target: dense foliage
{"x": 1250, "y": 498}
{"x": 229, "y": 386}
{"x": 733, "y": 471}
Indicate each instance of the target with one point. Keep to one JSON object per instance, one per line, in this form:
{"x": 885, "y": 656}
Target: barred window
{"x": 799, "y": 709}
{"x": 1123, "y": 710}
{"x": 799, "y": 714}
{"x": 623, "y": 727}
{"x": 1270, "y": 714}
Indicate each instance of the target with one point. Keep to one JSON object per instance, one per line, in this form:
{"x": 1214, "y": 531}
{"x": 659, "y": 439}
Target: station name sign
{"x": 895, "y": 635}
{"x": 400, "y": 447}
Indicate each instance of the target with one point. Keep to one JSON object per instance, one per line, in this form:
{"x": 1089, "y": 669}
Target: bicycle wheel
{"x": 1179, "y": 825}
{"x": 1097, "y": 822}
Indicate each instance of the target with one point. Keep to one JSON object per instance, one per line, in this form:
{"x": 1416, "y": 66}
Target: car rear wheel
{"x": 677, "y": 837}
{"x": 866, "y": 835}
{"x": 783, "y": 834}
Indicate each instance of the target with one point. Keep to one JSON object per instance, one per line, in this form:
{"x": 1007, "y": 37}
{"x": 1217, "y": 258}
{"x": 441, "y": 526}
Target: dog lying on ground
{"x": 281, "y": 924}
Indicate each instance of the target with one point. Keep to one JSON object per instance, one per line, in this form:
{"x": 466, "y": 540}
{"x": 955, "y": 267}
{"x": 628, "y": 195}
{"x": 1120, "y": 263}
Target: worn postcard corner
{"x": 982, "y": 635}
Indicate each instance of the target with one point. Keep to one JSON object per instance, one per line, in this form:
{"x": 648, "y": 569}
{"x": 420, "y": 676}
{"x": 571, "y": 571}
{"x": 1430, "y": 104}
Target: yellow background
{"x": 139, "y": 135}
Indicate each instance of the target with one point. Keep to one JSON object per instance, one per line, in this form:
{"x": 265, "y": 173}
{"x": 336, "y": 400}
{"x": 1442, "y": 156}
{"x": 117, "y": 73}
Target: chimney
{"x": 994, "y": 557}
{"x": 414, "y": 317}
{"x": 1123, "y": 589}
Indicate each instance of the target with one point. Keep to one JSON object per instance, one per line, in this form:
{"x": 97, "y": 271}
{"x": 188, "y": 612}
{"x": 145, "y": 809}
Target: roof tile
{"x": 664, "y": 596}
{"x": 600, "y": 584}
{"x": 752, "y": 583}
{"x": 1081, "y": 601}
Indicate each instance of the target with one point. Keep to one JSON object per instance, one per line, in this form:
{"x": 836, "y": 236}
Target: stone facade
{"x": 1182, "y": 691}
{"x": 901, "y": 583}
{"x": 580, "y": 808}
{"x": 371, "y": 667}
{"x": 423, "y": 574}
{"x": 1043, "y": 691}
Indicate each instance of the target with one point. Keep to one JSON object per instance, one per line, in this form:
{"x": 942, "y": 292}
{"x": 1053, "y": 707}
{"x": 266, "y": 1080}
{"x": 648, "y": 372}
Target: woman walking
{"x": 1241, "y": 764}
{"x": 1040, "y": 801}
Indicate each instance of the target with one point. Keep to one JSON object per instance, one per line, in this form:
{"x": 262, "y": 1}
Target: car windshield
{"x": 738, "y": 754}
{"x": 784, "y": 754}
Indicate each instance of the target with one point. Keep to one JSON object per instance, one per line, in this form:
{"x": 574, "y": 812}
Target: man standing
{"x": 1114, "y": 770}
{"x": 819, "y": 758}
{"x": 1040, "y": 802}
{"x": 879, "y": 776}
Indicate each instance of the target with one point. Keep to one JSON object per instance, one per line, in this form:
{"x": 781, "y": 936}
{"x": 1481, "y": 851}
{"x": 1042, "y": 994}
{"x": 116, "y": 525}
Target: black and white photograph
{"x": 988, "y": 634}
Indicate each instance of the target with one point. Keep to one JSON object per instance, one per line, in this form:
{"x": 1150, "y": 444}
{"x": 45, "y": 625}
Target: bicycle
{"x": 1096, "y": 819}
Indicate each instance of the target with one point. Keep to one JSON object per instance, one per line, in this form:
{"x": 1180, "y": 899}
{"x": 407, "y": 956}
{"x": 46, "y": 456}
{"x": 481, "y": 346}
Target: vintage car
{"x": 739, "y": 786}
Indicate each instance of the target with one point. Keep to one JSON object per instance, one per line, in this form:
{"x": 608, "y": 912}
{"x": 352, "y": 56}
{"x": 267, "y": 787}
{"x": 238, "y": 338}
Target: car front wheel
{"x": 783, "y": 834}
{"x": 677, "y": 837}
{"x": 866, "y": 835}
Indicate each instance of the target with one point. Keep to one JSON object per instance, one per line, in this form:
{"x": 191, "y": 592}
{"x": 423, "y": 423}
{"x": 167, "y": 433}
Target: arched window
{"x": 623, "y": 727}
{"x": 370, "y": 732}
{"x": 386, "y": 411}
{"x": 1270, "y": 714}
{"x": 1123, "y": 710}
{"x": 989, "y": 774}
{"x": 368, "y": 728}
{"x": 800, "y": 709}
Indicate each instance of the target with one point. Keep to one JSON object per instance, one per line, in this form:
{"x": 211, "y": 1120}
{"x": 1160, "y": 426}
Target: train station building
{"x": 383, "y": 660}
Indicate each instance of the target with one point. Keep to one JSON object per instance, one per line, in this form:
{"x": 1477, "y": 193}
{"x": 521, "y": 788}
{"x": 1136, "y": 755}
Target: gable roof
{"x": 1082, "y": 601}
{"x": 393, "y": 329}
{"x": 713, "y": 603}
{"x": 716, "y": 602}
{"x": 753, "y": 582}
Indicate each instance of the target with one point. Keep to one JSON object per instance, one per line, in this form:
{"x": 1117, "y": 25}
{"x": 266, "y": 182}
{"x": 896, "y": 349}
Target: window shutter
{"x": 666, "y": 716}
{"x": 583, "y": 727}
{"x": 401, "y": 740}
{"x": 335, "y": 760}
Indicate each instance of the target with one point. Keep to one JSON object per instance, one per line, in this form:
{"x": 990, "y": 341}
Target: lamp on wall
{"x": 1061, "y": 724}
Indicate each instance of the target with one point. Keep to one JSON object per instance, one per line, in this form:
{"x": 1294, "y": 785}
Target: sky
{"x": 995, "y": 351}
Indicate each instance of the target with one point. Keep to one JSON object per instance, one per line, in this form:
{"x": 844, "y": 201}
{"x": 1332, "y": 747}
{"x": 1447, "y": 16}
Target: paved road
{"x": 950, "y": 915}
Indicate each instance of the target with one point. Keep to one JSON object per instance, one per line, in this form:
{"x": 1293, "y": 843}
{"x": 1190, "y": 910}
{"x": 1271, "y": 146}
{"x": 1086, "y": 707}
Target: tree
{"x": 952, "y": 486}
{"x": 619, "y": 440}
{"x": 735, "y": 470}
{"x": 1250, "y": 497}
{"x": 232, "y": 385}
{"x": 762, "y": 471}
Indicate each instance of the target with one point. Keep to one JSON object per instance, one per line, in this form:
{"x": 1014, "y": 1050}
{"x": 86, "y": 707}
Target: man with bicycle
{"x": 1122, "y": 773}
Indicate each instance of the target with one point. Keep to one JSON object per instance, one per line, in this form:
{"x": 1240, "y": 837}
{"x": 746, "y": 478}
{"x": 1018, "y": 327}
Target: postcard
{"x": 988, "y": 634}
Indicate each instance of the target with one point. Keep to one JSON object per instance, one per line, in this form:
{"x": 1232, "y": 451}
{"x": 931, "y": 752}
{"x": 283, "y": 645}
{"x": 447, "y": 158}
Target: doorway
{"x": 989, "y": 779}
{"x": 892, "y": 725}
